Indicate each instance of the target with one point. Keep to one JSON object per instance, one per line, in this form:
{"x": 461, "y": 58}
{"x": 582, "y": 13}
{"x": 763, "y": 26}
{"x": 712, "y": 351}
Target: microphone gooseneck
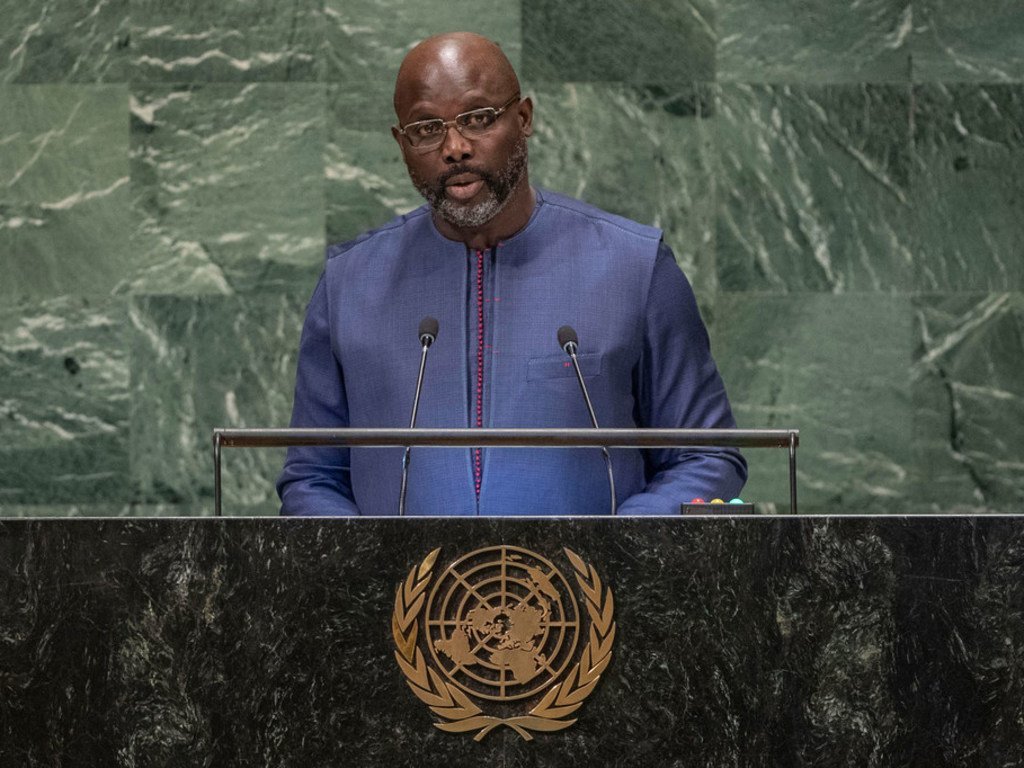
{"x": 570, "y": 342}
{"x": 427, "y": 335}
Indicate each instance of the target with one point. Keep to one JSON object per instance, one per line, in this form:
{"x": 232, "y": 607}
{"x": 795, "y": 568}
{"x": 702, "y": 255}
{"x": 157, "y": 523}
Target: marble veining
{"x": 837, "y": 366}
{"x": 49, "y": 41}
{"x": 954, "y": 42}
{"x": 175, "y": 357}
{"x": 821, "y": 41}
{"x": 659, "y": 42}
{"x": 234, "y": 40}
{"x": 363, "y": 51}
{"x": 814, "y": 188}
{"x": 63, "y": 403}
{"x": 227, "y": 186}
{"x": 968, "y": 179}
{"x": 365, "y": 178}
{"x": 968, "y": 398}
{"x": 64, "y": 188}
{"x": 840, "y": 181}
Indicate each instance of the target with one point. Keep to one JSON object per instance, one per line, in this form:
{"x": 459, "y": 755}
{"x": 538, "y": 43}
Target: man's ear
{"x": 398, "y": 137}
{"x": 525, "y": 113}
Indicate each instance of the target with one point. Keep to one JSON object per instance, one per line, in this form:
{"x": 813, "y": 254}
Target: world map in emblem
{"x": 502, "y": 623}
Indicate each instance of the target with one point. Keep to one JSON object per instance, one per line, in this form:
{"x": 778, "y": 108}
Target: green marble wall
{"x": 842, "y": 182}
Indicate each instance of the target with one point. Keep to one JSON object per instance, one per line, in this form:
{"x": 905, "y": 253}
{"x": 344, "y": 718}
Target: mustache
{"x": 458, "y": 170}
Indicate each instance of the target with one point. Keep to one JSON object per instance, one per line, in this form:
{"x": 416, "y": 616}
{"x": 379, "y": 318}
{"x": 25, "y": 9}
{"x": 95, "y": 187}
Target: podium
{"x": 752, "y": 641}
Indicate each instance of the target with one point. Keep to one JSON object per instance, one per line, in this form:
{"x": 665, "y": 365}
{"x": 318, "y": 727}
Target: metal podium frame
{"x": 506, "y": 438}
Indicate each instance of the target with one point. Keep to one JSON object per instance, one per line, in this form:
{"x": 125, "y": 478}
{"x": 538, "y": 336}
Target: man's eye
{"x": 480, "y": 119}
{"x": 425, "y": 130}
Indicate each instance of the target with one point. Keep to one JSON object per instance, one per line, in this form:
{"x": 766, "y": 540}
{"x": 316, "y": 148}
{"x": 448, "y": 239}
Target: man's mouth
{"x": 463, "y": 187}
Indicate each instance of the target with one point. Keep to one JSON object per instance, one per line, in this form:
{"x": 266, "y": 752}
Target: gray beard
{"x": 499, "y": 192}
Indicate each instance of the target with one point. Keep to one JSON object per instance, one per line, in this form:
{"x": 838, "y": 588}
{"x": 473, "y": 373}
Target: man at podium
{"x": 501, "y": 266}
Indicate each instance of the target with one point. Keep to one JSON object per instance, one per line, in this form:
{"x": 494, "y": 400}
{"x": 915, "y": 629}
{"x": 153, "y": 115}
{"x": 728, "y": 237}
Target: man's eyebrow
{"x": 421, "y": 118}
{"x": 470, "y": 101}
{"x": 422, "y": 112}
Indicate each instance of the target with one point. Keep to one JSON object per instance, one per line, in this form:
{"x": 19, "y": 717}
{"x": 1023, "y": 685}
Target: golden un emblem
{"x": 505, "y": 638}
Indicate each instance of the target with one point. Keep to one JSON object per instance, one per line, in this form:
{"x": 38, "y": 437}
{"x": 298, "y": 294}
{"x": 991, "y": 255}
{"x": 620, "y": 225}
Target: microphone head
{"x": 566, "y": 337}
{"x": 428, "y": 330}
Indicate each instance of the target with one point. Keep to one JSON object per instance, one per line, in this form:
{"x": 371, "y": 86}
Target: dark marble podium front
{"x": 758, "y": 641}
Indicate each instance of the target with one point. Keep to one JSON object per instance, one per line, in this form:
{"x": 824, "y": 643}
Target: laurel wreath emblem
{"x": 460, "y": 714}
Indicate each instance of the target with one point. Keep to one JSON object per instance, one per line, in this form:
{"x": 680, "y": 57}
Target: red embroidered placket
{"x": 477, "y": 467}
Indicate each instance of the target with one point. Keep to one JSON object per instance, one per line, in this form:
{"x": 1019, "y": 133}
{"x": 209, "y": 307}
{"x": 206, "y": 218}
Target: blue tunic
{"x": 643, "y": 350}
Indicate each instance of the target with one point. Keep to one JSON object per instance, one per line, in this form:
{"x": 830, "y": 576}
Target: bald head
{"x": 472, "y": 173}
{"x": 451, "y": 64}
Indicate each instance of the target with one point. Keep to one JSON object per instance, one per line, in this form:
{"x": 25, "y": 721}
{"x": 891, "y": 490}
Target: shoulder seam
{"x": 337, "y": 249}
{"x": 656, "y": 235}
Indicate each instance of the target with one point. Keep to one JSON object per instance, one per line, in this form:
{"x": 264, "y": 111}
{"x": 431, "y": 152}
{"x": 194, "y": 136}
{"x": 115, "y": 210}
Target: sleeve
{"x": 316, "y": 480}
{"x": 677, "y": 385}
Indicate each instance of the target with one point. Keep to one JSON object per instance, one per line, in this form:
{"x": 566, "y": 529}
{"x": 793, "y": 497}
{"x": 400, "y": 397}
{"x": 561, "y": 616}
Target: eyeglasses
{"x": 428, "y": 134}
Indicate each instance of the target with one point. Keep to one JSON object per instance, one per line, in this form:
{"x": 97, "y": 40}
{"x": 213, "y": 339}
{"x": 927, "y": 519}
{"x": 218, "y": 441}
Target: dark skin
{"x": 440, "y": 78}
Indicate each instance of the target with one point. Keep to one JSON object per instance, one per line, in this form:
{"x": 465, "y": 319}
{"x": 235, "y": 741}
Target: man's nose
{"x": 456, "y": 147}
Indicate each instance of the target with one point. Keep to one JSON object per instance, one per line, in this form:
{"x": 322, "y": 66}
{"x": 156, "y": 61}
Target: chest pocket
{"x": 560, "y": 366}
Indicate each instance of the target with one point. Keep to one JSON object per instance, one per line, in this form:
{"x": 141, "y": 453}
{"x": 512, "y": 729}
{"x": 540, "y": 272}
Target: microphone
{"x": 568, "y": 340}
{"x": 428, "y": 331}
{"x": 427, "y": 335}
{"x": 570, "y": 343}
